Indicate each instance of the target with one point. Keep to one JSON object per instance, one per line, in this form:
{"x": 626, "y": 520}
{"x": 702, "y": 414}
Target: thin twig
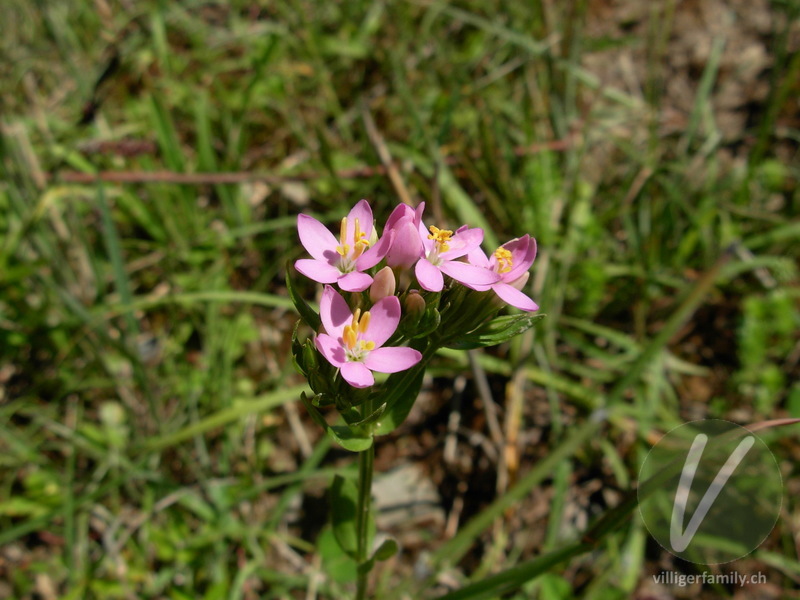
{"x": 234, "y": 177}
{"x": 454, "y": 420}
{"x": 298, "y": 430}
{"x": 489, "y": 406}
{"x": 207, "y": 178}
{"x": 386, "y": 158}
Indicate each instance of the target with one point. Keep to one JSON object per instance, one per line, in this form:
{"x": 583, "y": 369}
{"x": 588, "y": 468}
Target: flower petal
{"x": 334, "y": 312}
{"x": 317, "y": 270}
{"x": 406, "y": 247}
{"x": 418, "y": 213}
{"x": 357, "y": 374}
{"x": 478, "y": 258}
{"x": 363, "y": 213}
{"x": 531, "y": 254}
{"x": 384, "y": 318}
{"x": 478, "y": 288}
{"x": 400, "y": 211}
{"x": 355, "y": 282}
{"x": 315, "y": 237}
{"x": 392, "y": 360}
{"x": 523, "y": 251}
{"x": 428, "y": 276}
{"x": 374, "y": 255}
{"x": 514, "y": 297}
{"x": 466, "y": 273}
{"x": 331, "y": 350}
{"x": 463, "y": 242}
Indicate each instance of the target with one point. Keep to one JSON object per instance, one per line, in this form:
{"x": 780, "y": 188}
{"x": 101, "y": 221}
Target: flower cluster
{"x": 362, "y": 330}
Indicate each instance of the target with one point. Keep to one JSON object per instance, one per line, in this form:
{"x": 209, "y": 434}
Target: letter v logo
{"x": 680, "y": 539}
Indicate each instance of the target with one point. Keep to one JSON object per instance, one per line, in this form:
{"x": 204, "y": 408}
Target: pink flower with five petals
{"x": 353, "y": 341}
{"x": 342, "y": 261}
{"x": 441, "y": 248}
{"x": 511, "y": 262}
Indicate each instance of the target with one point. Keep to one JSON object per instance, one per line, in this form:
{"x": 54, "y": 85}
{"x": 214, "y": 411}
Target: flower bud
{"x": 382, "y": 285}
{"x": 414, "y": 304}
{"x": 407, "y": 247}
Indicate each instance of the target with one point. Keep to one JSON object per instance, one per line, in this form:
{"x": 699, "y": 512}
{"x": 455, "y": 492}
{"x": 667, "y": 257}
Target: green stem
{"x": 366, "y": 460}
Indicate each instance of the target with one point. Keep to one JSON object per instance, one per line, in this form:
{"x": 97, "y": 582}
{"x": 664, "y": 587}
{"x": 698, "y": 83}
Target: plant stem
{"x": 366, "y": 460}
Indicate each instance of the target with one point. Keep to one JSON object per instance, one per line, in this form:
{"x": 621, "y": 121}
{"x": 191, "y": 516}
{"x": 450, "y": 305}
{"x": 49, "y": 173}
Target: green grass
{"x": 146, "y": 444}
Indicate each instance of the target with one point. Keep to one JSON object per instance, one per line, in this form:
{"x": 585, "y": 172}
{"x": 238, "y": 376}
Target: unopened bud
{"x": 406, "y": 247}
{"x": 382, "y": 285}
{"x": 414, "y": 304}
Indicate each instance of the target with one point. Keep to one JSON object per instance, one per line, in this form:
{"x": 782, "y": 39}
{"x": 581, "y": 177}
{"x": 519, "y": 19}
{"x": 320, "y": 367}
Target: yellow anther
{"x": 349, "y": 337}
{"x": 504, "y": 261}
{"x": 350, "y": 333}
{"x": 357, "y": 237}
{"x": 441, "y": 237}
{"x": 364, "y": 323}
{"x": 360, "y": 241}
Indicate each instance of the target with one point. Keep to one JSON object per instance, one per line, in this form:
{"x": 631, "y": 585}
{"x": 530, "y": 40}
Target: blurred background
{"x": 153, "y": 158}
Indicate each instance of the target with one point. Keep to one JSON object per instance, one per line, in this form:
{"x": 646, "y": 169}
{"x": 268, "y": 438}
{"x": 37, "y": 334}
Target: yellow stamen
{"x": 358, "y": 325}
{"x": 441, "y": 237}
{"x": 504, "y": 261}
{"x": 364, "y": 323}
{"x": 343, "y": 249}
{"x": 358, "y": 234}
{"x": 349, "y": 337}
{"x": 360, "y": 241}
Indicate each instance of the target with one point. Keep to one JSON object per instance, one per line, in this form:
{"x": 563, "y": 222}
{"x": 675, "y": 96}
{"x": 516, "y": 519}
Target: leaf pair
{"x": 344, "y": 506}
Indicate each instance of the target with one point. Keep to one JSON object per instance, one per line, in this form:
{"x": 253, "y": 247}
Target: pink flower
{"x": 406, "y": 247}
{"x": 441, "y": 249}
{"x": 342, "y": 261}
{"x": 511, "y": 262}
{"x": 352, "y": 341}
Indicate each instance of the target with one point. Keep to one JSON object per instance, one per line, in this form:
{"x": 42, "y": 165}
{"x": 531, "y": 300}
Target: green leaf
{"x": 308, "y": 314}
{"x": 386, "y": 550}
{"x": 430, "y": 322}
{"x": 344, "y": 500}
{"x": 297, "y": 351}
{"x": 349, "y": 439}
{"x": 403, "y": 389}
{"x": 377, "y": 414}
{"x": 336, "y": 565}
{"x": 496, "y": 331}
{"x": 342, "y": 435}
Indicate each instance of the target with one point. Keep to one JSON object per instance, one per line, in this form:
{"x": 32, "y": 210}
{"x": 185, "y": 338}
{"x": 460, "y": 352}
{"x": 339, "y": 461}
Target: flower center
{"x": 359, "y": 242}
{"x": 356, "y": 348}
{"x": 440, "y": 238}
{"x": 504, "y": 262}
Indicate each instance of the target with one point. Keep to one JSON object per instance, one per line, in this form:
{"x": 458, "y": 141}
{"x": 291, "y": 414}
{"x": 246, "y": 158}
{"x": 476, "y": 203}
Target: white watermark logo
{"x": 680, "y": 539}
{"x": 705, "y": 578}
{"x": 719, "y": 475}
